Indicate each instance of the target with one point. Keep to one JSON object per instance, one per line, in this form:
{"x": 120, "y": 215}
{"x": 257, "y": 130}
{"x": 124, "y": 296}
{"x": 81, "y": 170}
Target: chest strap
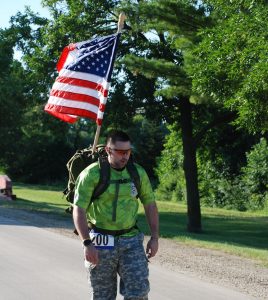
{"x": 115, "y": 200}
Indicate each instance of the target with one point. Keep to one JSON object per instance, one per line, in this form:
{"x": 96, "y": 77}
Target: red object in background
{"x": 6, "y": 187}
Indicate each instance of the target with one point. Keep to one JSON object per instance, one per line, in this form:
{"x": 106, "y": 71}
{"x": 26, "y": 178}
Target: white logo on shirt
{"x": 134, "y": 191}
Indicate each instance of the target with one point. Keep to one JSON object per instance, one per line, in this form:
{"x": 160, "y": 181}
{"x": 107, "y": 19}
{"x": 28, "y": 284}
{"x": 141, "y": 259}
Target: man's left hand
{"x": 152, "y": 247}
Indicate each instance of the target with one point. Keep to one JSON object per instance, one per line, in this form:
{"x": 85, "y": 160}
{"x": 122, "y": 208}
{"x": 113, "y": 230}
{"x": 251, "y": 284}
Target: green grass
{"x": 39, "y": 198}
{"x": 239, "y": 233}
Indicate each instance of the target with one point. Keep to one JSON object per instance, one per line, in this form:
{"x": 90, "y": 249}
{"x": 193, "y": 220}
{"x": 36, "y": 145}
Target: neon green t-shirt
{"x": 107, "y": 211}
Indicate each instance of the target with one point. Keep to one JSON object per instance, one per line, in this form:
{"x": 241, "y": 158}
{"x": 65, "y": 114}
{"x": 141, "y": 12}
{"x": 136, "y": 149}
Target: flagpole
{"x": 97, "y": 134}
{"x": 121, "y": 21}
{"x": 120, "y": 26}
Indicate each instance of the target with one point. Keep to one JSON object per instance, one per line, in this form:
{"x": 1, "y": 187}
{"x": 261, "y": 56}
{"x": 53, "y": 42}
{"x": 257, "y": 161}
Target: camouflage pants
{"x": 129, "y": 261}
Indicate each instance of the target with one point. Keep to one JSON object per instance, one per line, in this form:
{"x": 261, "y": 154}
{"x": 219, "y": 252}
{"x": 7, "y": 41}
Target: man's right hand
{"x": 91, "y": 254}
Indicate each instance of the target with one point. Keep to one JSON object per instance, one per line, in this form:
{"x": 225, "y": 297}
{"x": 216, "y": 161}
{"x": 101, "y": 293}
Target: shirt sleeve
{"x": 85, "y": 185}
{"x": 146, "y": 193}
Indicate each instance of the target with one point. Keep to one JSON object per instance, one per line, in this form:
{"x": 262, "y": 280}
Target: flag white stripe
{"x": 85, "y": 76}
{"x": 74, "y": 104}
{"x": 79, "y": 90}
{"x": 111, "y": 60}
{"x": 100, "y": 114}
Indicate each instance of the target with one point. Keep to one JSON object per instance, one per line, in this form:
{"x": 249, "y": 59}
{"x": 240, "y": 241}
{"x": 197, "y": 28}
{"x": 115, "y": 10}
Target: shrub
{"x": 170, "y": 168}
{"x": 249, "y": 190}
{"x": 218, "y": 189}
{"x": 255, "y": 175}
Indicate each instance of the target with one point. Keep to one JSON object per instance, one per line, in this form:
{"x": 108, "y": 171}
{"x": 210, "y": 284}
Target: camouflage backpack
{"x": 83, "y": 158}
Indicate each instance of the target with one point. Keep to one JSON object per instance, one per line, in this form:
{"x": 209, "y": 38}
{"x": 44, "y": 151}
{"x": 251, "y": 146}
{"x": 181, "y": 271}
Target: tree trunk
{"x": 190, "y": 168}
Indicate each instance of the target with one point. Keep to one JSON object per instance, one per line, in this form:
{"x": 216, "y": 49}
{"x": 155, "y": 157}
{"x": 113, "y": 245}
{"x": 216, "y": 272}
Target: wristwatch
{"x": 87, "y": 242}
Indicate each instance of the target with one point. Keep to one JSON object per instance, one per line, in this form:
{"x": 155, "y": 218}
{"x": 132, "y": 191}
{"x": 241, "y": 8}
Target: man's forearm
{"x": 151, "y": 213}
{"x": 80, "y": 222}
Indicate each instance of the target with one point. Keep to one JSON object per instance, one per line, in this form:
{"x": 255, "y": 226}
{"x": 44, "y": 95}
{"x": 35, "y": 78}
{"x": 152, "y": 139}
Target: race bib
{"x": 101, "y": 241}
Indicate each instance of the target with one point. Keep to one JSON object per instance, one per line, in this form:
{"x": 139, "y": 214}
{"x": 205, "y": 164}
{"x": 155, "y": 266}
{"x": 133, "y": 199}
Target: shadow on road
{"x": 42, "y": 214}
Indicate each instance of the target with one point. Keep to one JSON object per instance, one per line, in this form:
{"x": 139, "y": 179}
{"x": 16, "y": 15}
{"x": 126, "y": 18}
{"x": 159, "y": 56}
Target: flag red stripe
{"x": 64, "y": 56}
{"x": 63, "y": 117}
{"x": 50, "y": 108}
{"x": 99, "y": 122}
{"x": 76, "y": 97}
{"x": 83, "y": 83}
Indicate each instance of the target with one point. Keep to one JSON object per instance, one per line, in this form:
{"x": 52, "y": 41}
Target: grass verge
{"x": 238, "y": 233}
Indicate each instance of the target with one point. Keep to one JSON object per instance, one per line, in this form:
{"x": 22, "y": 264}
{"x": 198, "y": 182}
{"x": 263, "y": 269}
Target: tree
{"x": 174, "y": 26}
{"x": 231, "y": 33}
{"x": 147, "y": 139}
{"x": 23, "y": 87}
{"x": 12, "y": 87}
{"x": 231, "y": 61}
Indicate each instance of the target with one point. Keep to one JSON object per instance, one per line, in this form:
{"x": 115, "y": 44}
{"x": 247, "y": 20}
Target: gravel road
{"x": 243, "y": 275}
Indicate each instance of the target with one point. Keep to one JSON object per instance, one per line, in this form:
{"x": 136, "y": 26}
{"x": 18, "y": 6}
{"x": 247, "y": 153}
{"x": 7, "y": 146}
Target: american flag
{"x": 81, "y": 89}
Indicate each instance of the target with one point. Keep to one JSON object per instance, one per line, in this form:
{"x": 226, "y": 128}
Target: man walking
{"x": 114, "y": 245}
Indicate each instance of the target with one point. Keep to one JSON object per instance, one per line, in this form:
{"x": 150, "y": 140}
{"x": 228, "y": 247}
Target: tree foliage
{"x": 25, "y": 128}
{"x": 231, "y": 61}
{"x": 255, "y": 176}
{"x": 170, "y": 168}
{"x": 12, "y": 88}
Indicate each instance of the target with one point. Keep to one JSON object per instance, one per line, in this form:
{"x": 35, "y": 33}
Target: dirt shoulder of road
{"x": 240, "y": 274}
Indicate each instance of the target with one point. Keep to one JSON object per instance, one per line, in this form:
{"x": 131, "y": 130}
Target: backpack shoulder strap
{"x": 133, "y": 172}
{"x": 104, "y": 179}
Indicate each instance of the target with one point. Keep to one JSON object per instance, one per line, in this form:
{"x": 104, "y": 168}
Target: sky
{"x": 11, "y": 7}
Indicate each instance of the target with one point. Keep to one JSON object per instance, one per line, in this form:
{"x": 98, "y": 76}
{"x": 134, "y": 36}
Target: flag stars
{"x": 93, "y": 59}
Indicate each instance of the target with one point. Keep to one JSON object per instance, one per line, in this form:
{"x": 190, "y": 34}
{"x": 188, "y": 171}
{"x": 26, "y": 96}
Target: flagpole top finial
{"x": 121, "y": 21}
